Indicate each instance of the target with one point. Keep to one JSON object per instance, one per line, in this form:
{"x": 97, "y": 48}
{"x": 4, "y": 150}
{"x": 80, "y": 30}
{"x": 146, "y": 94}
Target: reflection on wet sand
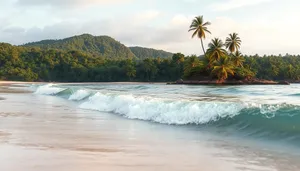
{"x": 250, "y": 158}
{"x": 13, "y": 114}
{"x": 73, "y": 148}
{"x": 4, "y": 136}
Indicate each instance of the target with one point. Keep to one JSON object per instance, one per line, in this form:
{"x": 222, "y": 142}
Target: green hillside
{"x": 103, "y": 46}
{"x": 143, "y": 53}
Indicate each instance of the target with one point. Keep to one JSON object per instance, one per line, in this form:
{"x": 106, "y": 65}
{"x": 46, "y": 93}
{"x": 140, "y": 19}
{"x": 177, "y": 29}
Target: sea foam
{"x": 48, "y": 89}
{"x": 79, "y": 95}
{"x": 162, "y": 110}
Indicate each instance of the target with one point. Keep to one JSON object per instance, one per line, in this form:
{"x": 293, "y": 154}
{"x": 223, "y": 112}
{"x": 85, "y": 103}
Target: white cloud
{"x": 233, "y": 4}
{"x": 13, "y": 30}
{"x": 172, "y": 36}
{"x": 146, "y": 16}
{"x": 150, "y": 27}
{"x": 181, "y": 19}
{"x": 259, "y": 38}
{"x": 68, "y": 3}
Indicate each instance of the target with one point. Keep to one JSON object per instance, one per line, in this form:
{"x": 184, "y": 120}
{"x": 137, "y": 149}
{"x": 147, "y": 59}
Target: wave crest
{"x": 162, "y": 111}
{"x": 79, "y": 95}
{"x": 279, "y": 121}
{"x": 48, "y": 89}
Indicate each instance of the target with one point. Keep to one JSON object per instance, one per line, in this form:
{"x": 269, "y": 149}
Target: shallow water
{"x": 146, "y": 127}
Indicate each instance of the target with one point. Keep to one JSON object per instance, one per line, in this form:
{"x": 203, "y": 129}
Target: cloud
{"x": 13, "y": 30}
{"x": 147, "y": 15}
{"x": 68, "y": 3}
{"x": 139, "y": 29}
{"x": 259, "y": 38}
{"x": 233, "y": 4}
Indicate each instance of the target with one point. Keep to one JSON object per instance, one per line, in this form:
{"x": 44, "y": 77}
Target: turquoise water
{"x": 268, "y": 113}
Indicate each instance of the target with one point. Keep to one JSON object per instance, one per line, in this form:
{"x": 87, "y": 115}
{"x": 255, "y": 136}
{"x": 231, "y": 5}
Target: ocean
{"x": 139, "y": 126}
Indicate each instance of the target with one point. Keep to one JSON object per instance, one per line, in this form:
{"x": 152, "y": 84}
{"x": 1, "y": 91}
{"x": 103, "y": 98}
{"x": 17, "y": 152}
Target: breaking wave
{"x": 254, "y": 119}
{"x": 160, "y": 110}
{"x": 49, "y": 89}
{"x": 79, "y": 95}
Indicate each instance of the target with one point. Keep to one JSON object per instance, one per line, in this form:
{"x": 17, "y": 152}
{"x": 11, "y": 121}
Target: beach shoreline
{"x": 230, "y": 82}
{"x": 63, "y": 133}
{"x": 3, "y": 83}
{"x": 24, "y": 82}
{"x": 5, "y": 87}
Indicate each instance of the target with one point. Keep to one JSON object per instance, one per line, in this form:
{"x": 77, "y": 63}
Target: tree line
{"x": 220, "y": 61}
{"x": 34, "y": 64}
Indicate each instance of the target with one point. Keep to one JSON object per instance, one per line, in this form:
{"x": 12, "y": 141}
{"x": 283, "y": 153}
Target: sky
{"x": 265, "y": 26}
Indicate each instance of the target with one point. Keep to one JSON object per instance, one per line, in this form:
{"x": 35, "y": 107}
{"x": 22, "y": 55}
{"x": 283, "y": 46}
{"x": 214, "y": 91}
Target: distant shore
{"x": 231, "y": 82}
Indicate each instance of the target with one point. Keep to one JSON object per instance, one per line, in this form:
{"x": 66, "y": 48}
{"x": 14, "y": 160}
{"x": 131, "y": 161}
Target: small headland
{"x": 231, "y": 82}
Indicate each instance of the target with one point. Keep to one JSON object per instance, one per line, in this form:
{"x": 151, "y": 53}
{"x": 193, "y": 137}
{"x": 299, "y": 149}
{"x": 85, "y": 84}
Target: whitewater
{"x": 264, "y": 112}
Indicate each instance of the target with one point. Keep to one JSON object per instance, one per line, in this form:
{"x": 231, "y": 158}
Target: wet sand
{"x": 11, "y": 87}
{"x": 52, "y": 137}
{"x": 4, "y": 89}
{"x": 48, "y": 133}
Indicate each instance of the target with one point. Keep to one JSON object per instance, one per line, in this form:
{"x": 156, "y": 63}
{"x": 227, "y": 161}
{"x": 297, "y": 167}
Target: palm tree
{"x": 200, "y": 29}
{"x": 192, "y": 64}
{"x": 215, "y": 50}
{"x": 178, "y": 58}
{"x": 130, "y": 72}
{"x": 290, "y": 71}
{"x": 223, "y": 68}
{"x": 233, "y": 42}
{"x": 237, "y": 59}
{"x": 130, "y": 69}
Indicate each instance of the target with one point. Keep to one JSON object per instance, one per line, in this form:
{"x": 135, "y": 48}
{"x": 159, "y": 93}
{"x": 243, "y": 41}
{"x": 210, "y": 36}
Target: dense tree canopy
{"x": 35, "y": 64}
{"x": 143, "y": 53}
{"x": 87, "y": 58}
{"x": 104, "y": 46}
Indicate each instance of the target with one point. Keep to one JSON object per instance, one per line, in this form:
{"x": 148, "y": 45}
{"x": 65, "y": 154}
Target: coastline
{"x": 23, "y": 82}
{"x": 179, "y": 82}
{"x": 16, "y": 82}
{"x": 5, "y": 87}
{"x": 231, "y": 82}
{"x": 41, "y": 128}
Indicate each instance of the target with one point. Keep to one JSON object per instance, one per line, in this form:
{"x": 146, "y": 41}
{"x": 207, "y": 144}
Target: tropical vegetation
{"x": 87, "y": 58}
{"x": 103, "y": 46}
{"x": 222, "y": 60}
{"x": 199, "y": 28}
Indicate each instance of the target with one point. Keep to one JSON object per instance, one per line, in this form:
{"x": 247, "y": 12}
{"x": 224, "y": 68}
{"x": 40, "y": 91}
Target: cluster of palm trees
{"x": 220, "y": 59}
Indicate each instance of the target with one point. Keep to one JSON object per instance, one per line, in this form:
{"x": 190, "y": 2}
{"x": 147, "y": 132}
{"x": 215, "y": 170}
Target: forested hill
{"x": 142, "y": 53}
{"x": 103, "y": 46}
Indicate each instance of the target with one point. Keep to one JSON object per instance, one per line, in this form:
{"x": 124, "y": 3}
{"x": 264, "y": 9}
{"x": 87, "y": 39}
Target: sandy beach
{"x": 41, "y": 132}
{"x": 39, "y": 135}
{"x": 6, "y": 87}
{"x": 16, "y": 82}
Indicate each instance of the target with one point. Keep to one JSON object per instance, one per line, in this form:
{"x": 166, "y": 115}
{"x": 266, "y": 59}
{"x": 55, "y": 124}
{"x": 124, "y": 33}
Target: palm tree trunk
{"x": 203, "y": 47}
